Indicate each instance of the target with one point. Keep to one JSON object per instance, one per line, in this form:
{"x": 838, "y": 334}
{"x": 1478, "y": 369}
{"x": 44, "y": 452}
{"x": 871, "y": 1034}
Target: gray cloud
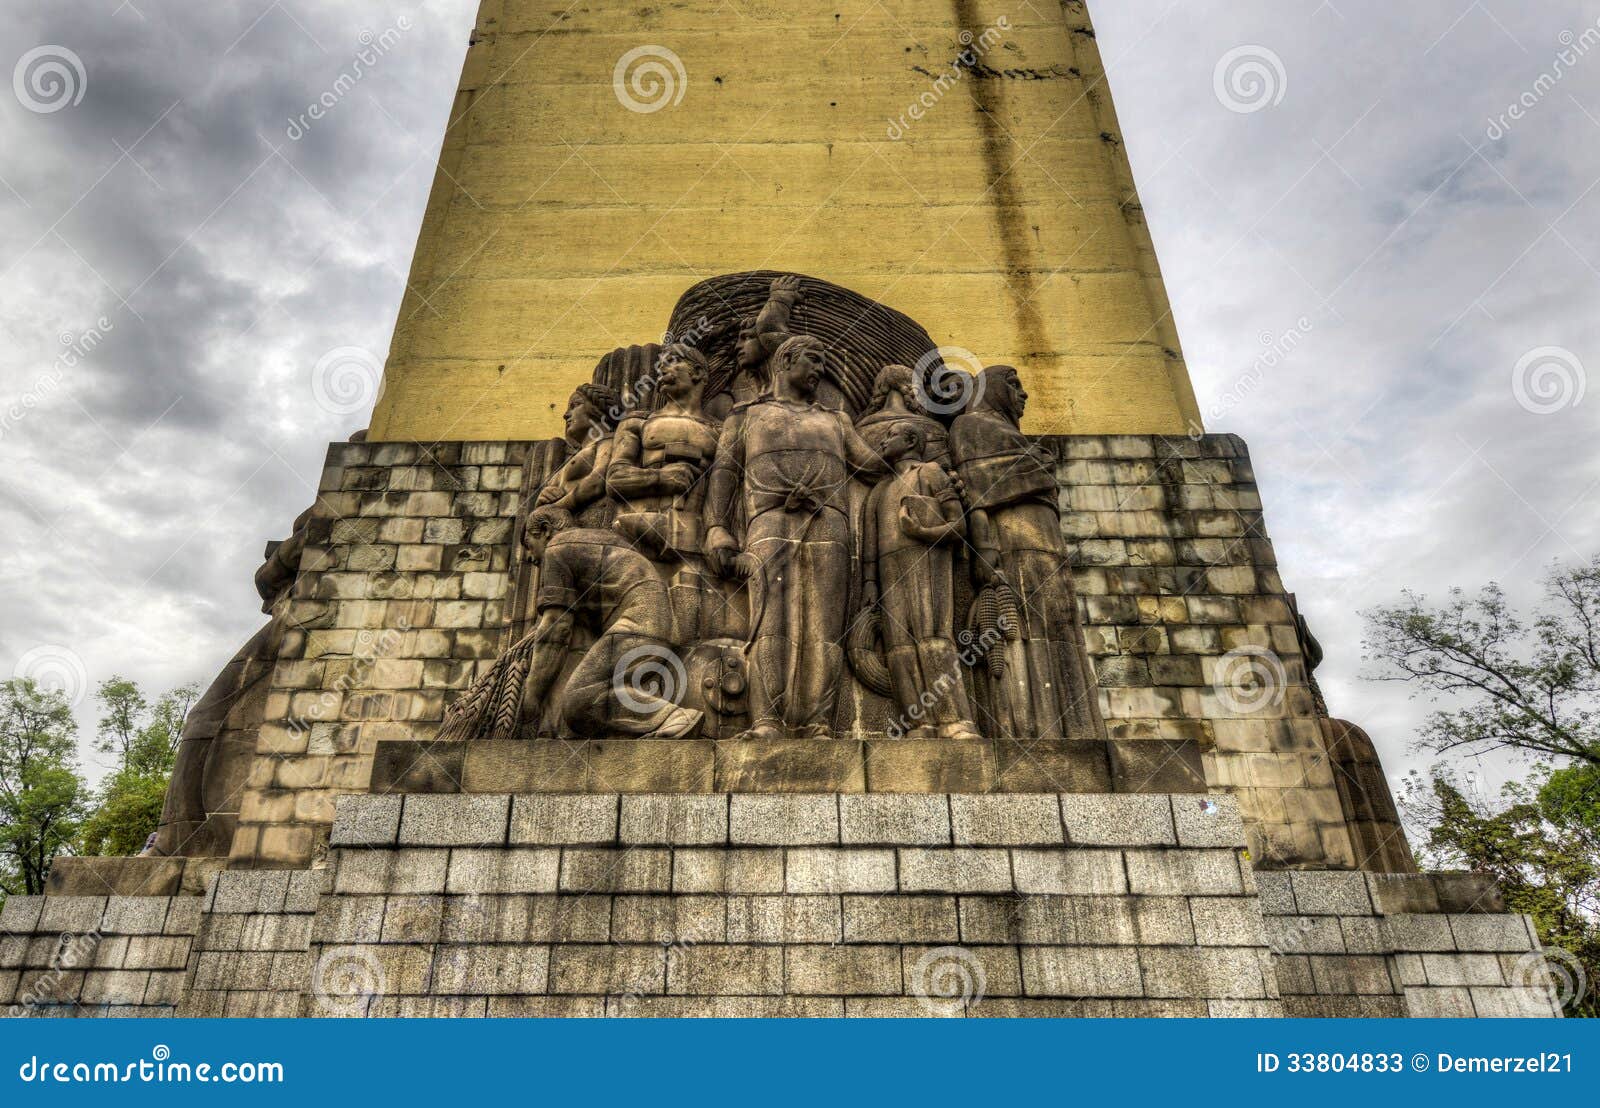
{"x": 1426, "y": 259}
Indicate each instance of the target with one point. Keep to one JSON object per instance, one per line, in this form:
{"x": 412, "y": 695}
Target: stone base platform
{"x": 706, "y": 904}
{"x": 132, "y": 876}
{"x": 791, "y": 766}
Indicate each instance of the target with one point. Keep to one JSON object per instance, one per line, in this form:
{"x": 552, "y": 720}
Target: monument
{"x": 798, "y": 661}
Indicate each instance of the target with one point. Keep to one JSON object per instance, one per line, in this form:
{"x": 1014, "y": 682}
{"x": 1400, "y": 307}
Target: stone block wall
{"x": 400, "y": 600}
{"x": 68, "y": 956}
{"x": 781, "y": 905}
{"x": 799, "y": 905}
{"x": 250, "y": 953}
{"x": 1191, "y": 632}
{"x": 1423, "y": 945}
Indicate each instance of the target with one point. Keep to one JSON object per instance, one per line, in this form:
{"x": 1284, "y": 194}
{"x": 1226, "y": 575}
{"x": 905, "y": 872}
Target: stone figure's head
{"x": 541, "y": 526}
{"x": 905, "y": 441}
{"x": 750, "y": 350}
{"x": 591, "y": 412}
{"x": 682, "y": 370}
{"x": 798, "y": 367}
{"x": 1000, "y": 390}
{"x": 893, "y": 381}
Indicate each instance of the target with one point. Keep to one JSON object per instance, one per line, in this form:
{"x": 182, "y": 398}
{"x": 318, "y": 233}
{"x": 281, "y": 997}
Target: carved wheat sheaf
{"x": 491, "y": 708}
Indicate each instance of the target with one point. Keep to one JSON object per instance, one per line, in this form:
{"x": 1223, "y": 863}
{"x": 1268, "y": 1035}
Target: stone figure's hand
{"x": 746, "y": 566}
{"x": 549, "y": 495}
{"x": 786, "y": 286}
{"x": 721, "y": 549}
{"x": 677, "y": 478}
{"x": 987, "y": 564}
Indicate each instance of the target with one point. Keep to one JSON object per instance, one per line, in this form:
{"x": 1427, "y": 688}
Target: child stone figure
{"x": 913, "y": 520}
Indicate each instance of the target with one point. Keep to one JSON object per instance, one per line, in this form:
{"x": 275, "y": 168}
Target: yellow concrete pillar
{"x": 958, "y": 160}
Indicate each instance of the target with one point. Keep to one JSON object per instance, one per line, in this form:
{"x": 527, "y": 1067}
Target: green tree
{"x": 144, "y": 738}
{"x": 1531, "y": 686}
{"x": 122, "y": 707}
{"x": 1541, "y": 843}
{"x": 42, "y": 797}
{"x": 1528, "y": 686}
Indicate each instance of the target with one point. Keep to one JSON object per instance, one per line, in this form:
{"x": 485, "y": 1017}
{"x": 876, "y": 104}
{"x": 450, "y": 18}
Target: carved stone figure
{"x": 1369, "y": 808}
{"x": 579, "y": 486}
{"x": 787, "y": 462}
{"x": 626, "y": 683}
{"x": 1044, "y": 688}
{"x": 218, "y": 744}
{"x": 761, "y": 335}
{"x": 895, "y": 400}
{"x": 658, "y": 462}
{"x": 912, "y": 520}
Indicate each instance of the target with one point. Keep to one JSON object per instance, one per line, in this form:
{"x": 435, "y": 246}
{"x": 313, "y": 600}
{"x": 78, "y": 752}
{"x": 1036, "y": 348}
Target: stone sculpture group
{"x": 726, "y": 564}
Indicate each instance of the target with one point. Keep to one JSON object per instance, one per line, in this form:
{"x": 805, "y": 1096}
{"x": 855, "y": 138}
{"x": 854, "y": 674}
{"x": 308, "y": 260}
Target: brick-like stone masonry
{"x": 95, "y": 955}
{"x": 786, "y": 905}
{"x": 1425, "y": 945}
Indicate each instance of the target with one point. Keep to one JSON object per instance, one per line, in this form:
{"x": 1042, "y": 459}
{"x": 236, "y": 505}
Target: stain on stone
{"x": 1005, "y": 205}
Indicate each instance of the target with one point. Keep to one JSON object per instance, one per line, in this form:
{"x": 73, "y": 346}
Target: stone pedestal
{"x": 862, "y": 904}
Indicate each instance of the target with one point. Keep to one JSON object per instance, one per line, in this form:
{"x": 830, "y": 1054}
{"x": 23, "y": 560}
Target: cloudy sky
{"x": 1362, "y": 249}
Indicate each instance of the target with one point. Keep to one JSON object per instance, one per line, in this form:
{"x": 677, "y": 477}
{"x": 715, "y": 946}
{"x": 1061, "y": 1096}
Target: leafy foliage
{"x": 1527, "y": 686}
{"x": 1541, "y": 844}
{"x": 145, "y": 738}
{"x": 42, "y": 797}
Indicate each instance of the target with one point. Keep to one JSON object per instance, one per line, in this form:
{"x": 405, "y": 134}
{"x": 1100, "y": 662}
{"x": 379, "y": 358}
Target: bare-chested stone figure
{"x": 657, "y": 473}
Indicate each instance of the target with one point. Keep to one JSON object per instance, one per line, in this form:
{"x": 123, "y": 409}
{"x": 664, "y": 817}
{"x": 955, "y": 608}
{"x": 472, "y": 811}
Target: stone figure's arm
{"x": 869, "y": 548}
{"x": 592, "y": 485}
{"x": 985, "y": 543}
{"x": 863, "y": 461}
{"x": 943, "y": 491}
{"x": 552, "y": 635}
{"x": 722, "y": 490}
{"x": 624, "y": 475}
{"x": 773, "y": 322}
